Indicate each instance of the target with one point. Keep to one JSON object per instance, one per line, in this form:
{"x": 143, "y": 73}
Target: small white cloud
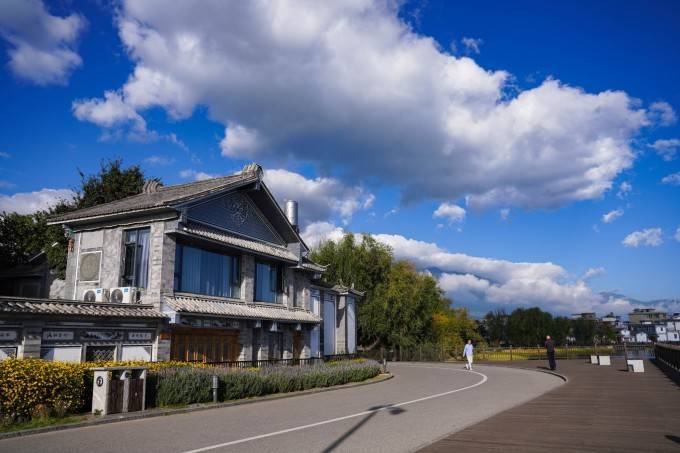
{"x": 29, "y": 202}
{"x": 5, "y": 155}
{"x": 612, "y": 215}
{"x": 673, "y": 179}
{"x": 472, "y": 45}
{"x": 505, "y": 213}
{"x": 6, "y": 185}
{"x": 662, "y": 113}
{"x": 196, "y": 175}
{"x": 666, "y": 149}
{"x": 592, "y": 272}
{"x": 677, "y": 234}
{"x": 453, "y": 213}
{"x": 159, "y": 160}
{"x": 391, "y": 212}
{"x": 650, "y": 236}
{"x": 41, "y": 46}
{"x": 110, "y": 112}
{"x": 624, "y": 189}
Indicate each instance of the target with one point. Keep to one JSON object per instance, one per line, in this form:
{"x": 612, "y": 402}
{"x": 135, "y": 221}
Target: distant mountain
{"x": 671, "y": 305}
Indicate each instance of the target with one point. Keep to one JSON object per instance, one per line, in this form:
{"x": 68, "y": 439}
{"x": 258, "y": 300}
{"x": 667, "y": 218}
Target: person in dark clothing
{"x": 550, "y": 347}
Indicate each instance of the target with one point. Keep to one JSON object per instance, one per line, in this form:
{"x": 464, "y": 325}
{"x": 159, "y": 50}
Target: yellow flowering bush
{"x": 33, "y": 387}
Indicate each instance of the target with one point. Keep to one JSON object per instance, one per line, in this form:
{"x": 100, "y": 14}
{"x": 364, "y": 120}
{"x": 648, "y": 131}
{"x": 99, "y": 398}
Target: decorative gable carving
{"x": 236, "y": 213}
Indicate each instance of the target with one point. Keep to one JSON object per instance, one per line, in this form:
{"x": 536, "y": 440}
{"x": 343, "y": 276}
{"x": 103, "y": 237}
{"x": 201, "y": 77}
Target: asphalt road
{"x": 422, "y": 403}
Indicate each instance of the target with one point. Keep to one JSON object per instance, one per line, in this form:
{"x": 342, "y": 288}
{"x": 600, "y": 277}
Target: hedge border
{"x": 162, "y": 412}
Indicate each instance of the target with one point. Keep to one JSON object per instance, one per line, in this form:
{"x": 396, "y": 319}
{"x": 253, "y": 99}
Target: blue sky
{"x": 484, "y": 141}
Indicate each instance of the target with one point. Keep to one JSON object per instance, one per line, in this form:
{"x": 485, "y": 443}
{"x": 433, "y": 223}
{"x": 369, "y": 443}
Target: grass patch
{"x": 41, "y": 423}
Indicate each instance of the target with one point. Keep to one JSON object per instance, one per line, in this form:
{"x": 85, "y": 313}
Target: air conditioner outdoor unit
{"x": 123, "y": 295}
{"x": 96, "y": 295}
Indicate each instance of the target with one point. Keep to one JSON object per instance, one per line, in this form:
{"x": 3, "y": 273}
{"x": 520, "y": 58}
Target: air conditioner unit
{"x": 96, "y": 295}
{"x": 123, "y": 295}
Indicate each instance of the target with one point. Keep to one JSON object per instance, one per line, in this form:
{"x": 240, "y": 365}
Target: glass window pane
{"x": 264, "y": 290}
{"x": 130, "y": 236}
{"x": 129, "y": 270}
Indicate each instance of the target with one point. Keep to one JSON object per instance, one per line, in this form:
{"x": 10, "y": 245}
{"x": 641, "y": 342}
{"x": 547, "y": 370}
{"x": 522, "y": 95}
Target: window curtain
{"x": 207, "y": 273}
{"x": 142, "y": 259}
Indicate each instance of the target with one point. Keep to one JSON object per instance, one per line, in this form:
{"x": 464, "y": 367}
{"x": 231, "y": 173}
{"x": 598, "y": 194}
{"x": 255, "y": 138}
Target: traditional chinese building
{"x": 211, "y": 271}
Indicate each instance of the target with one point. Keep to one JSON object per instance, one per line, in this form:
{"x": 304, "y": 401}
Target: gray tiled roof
{"x": 240, "y": 242}
{"x": 23, "y": 305}
{"x": 311, "y": 265}
{"x": 163, "y": 197}
{"x": 196, "y": 304}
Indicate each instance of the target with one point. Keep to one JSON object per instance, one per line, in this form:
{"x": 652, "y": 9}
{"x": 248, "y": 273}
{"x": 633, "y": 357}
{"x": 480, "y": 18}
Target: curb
{"x": 195, "y": 408}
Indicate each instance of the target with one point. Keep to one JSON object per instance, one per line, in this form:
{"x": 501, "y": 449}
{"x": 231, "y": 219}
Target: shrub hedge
{"x": 34, "y": 388}
{"x": 173, "y": 386}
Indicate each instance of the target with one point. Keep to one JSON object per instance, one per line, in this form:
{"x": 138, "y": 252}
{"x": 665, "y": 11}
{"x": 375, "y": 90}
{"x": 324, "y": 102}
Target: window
{"x": 268, "y": 282}
{"x": 199, "y": 271}
{"x": 136, "y": 258}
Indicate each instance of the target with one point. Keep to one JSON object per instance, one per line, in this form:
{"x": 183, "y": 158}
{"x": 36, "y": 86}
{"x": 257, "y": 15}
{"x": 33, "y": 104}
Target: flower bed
{"x": 34, "y": 389}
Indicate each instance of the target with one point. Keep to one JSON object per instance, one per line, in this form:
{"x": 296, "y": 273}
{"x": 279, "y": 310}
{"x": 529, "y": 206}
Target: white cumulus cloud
{"x": 673, "y": 179}
{"x": 649, "y": 236}
{"x": 318, "y": 198}
{"x": 612, "y": 215}
{"x": 667, "y": 149}
{"x": 473, "y": 280}
{"x": 196, "y": 175}
{"x": 451, "y": 212}
{"x": 349, "y": 85}
{"x": 42, "y": 47}
{"x": 29, "y": 202}
{"x": 624, "y": 189}
{"x": 677, "y": 234}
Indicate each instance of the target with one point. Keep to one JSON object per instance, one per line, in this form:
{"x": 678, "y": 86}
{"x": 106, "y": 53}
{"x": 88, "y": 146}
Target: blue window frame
{"x": 200, "y": 271}
{"x": 268, "y": 282}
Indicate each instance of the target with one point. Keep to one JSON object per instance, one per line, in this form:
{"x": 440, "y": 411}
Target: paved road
{"x": 422, "y": 403}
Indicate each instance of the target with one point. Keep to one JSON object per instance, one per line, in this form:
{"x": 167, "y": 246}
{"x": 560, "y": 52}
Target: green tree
{"x": 24, "y": 235}
{"x": 496, "y": 327}
{"x": 584, "y": 331}
{"x": 529, "y": 327}
{"x": 365, "y": 265}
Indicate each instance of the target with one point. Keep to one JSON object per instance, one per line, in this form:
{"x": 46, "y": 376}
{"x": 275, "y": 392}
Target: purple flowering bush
{"x": 181, "y": 386}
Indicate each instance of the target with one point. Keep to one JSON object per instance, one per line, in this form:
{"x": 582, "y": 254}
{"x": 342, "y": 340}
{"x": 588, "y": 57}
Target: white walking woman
{"x": 467, "y": 353}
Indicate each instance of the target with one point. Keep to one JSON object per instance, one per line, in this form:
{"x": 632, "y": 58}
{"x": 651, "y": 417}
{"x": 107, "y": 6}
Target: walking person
{"x": 467, "y": 353}
{"x": 550, "y": 348}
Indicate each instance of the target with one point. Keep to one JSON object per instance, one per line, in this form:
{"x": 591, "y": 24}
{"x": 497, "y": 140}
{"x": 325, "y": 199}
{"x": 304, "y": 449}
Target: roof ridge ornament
{"x": 254, "y": 169}
{"x": 152, "y": 185}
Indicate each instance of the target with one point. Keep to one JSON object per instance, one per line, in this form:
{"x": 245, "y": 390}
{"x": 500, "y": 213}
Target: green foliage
{"x": 529, "y": 327}
{"x": 181, "y": 386}
{"x": 401, "y": 307}
{"x": 24, "y": 235}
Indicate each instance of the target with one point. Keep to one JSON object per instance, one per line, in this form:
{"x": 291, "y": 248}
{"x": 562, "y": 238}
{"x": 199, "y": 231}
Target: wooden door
{"x": 205, "y": 345}
{"x": 115, "y": 403}
{"x": 135, "y": 395}
{"x": 298, "y": 344}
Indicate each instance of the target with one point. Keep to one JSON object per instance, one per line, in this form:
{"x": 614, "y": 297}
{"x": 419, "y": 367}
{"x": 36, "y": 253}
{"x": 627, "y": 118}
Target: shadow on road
{"x": 375, "y": 410}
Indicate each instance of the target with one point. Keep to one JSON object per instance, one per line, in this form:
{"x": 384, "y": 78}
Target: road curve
{"x": 422, "y": 403}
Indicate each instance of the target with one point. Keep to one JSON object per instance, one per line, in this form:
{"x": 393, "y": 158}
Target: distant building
{"x": 649, "y": 315}
{"x": 586, "y": 316}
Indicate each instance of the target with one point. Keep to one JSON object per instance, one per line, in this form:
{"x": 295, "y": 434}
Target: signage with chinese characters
{"x": 135, "y": 336}
{"x": 102, "y": 335}
{"x": 8, "y": 335}
{"x": 233, "y": 325}
{"x": 58, "y": 335}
